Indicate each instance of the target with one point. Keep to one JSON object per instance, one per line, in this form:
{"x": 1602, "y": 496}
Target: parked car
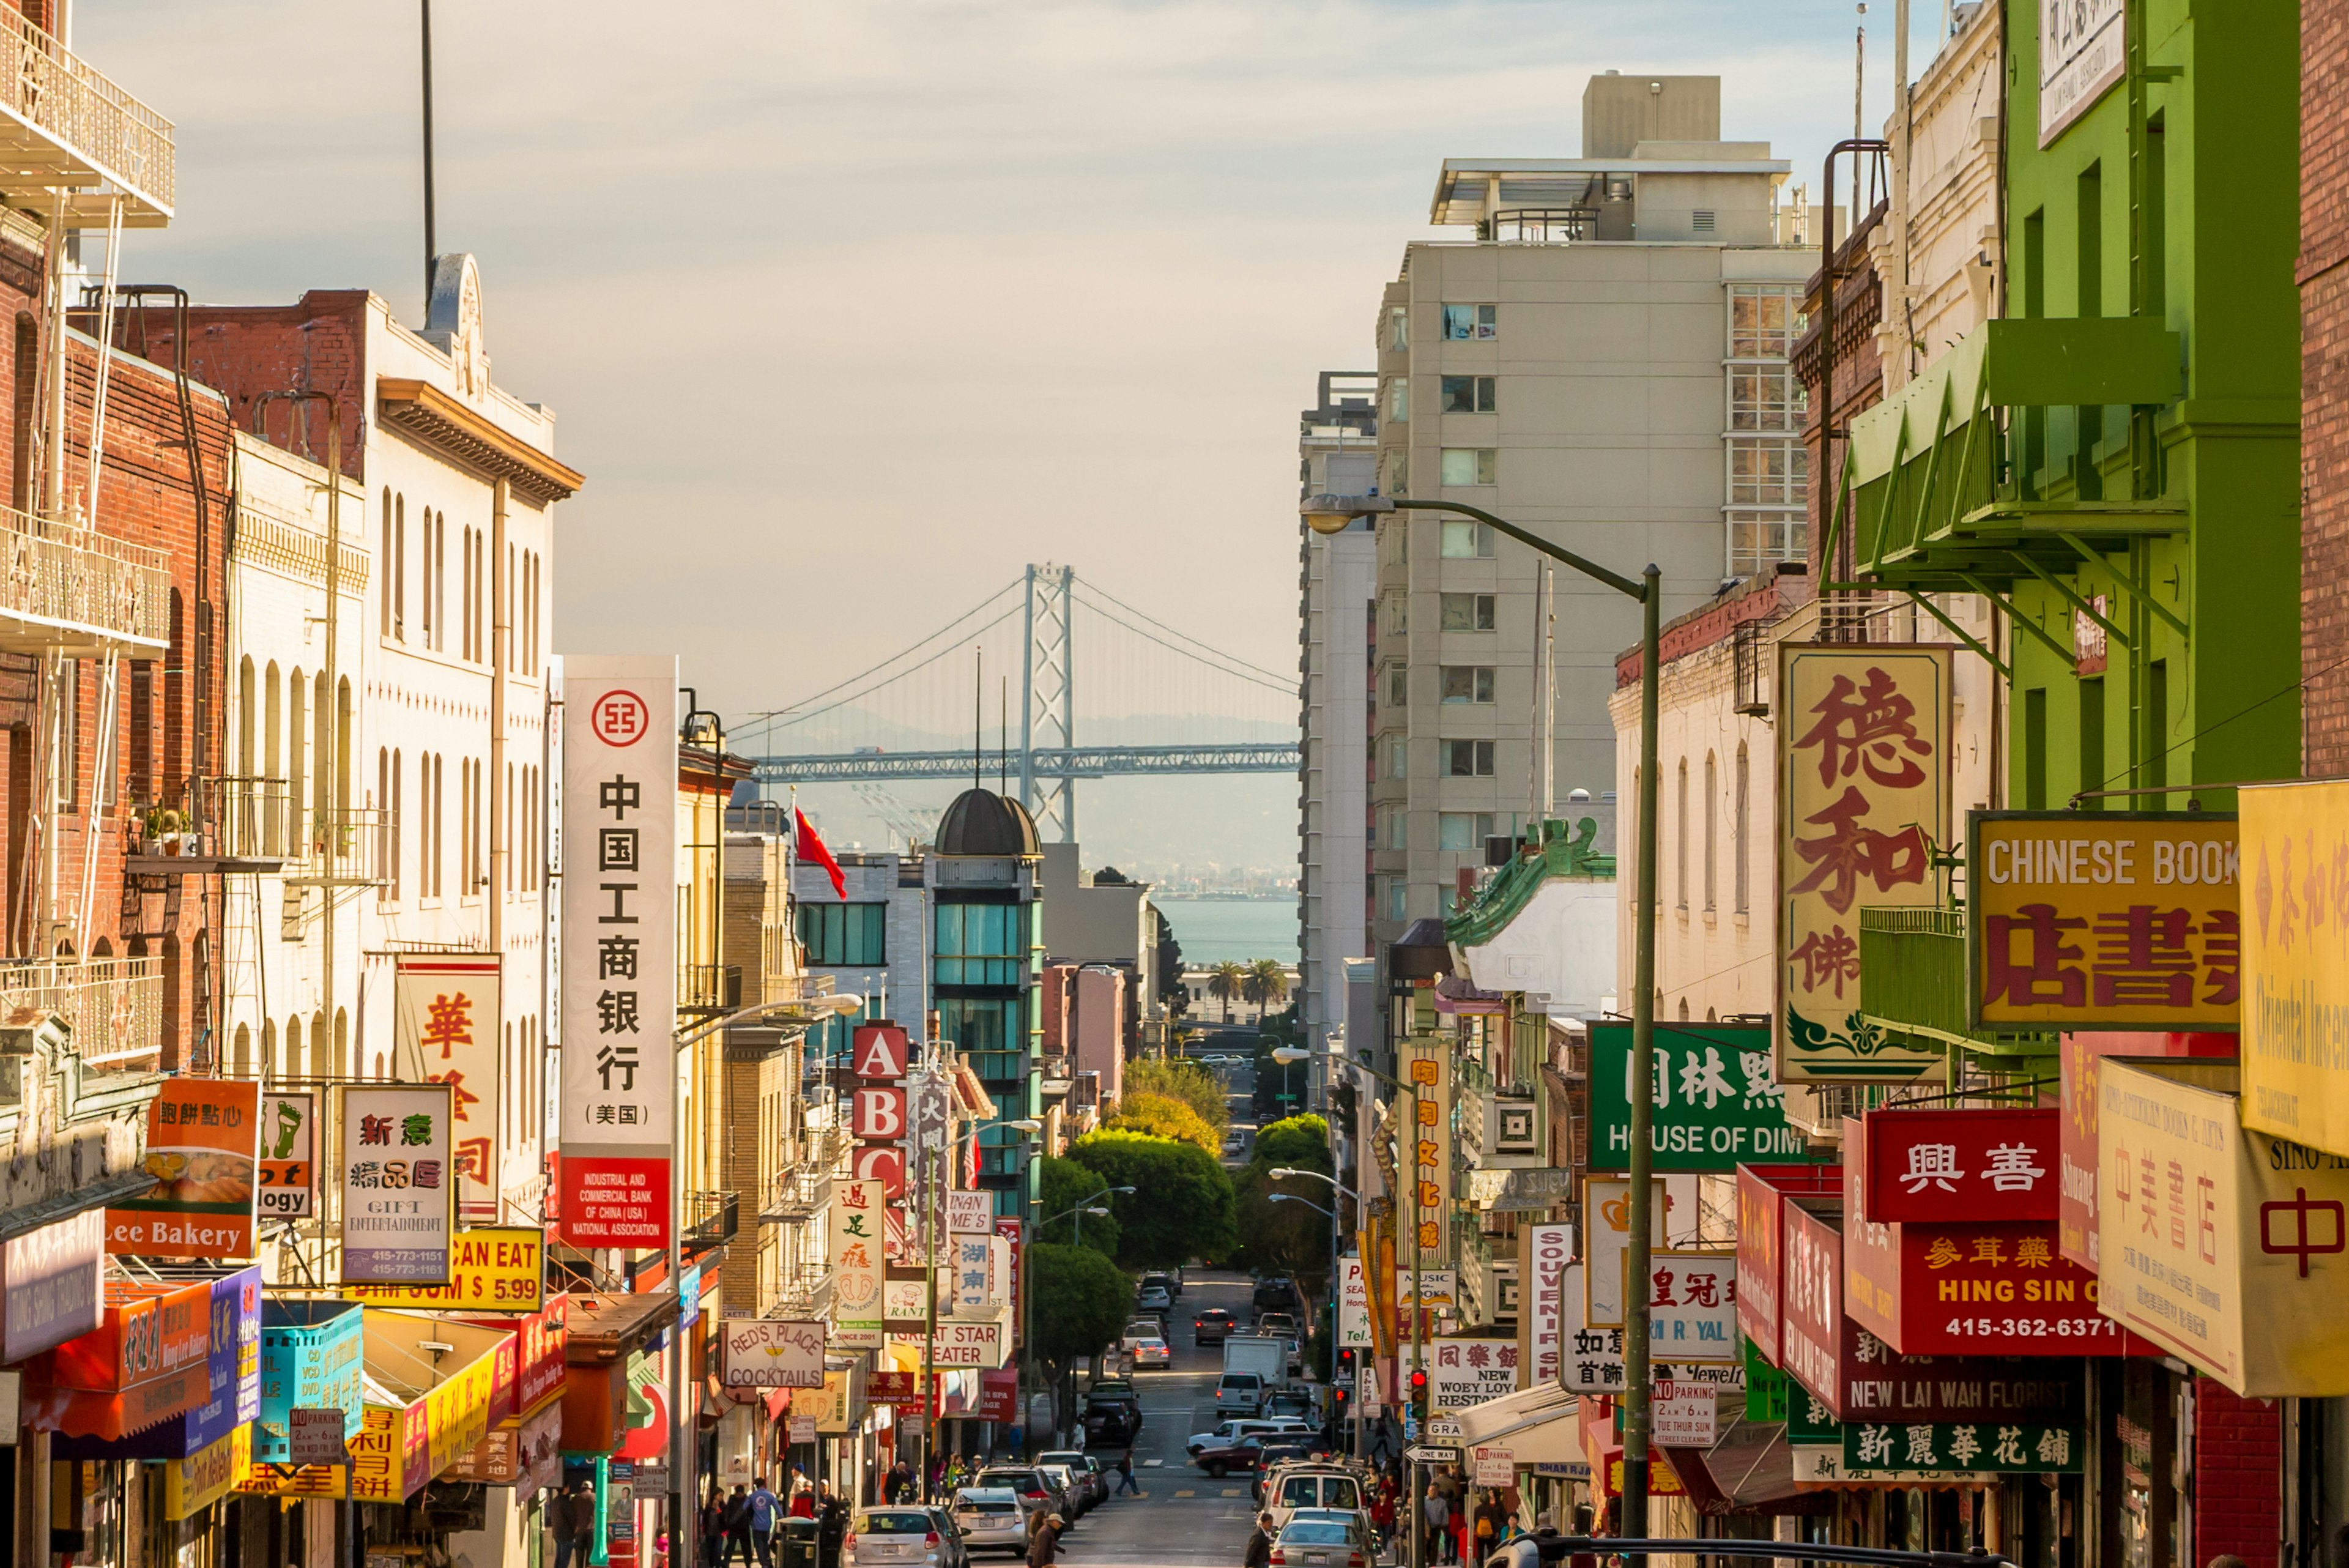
{"x": 1155, "y": 1298}
{"x": 1086, "y": 1470}
{"x": 903, "y": 1535}
{"x": 1323, "y": 1539}
{"x": 1238, "y": 1454}
{"x": 1079, "y": 1493}
{"x": 1213, "y": 1326}
{"x": 1273, "y": 1292}
{"x": 992, "y": 1519}
{"x": 1152, "y": 1352}
{"x": 1162, "y": 1281}
{"x": 1111, "y": 1420}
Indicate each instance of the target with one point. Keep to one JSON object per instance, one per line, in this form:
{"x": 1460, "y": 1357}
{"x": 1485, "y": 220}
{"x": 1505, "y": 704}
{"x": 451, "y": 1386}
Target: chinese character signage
{"x": 1716, "y": 1107}
{"x": 289, "y": 1170}
{"x": 1427, "y": 1068}
{"x": 2295, "y": 1026}
{"x": 448, "y": 1029}
{"x": 1762, "y": 1192}
{"x": 492, "y": 1270}
{"x": 2083, "y": 51}
{"x": 1936, "y": 1162}
{"x": 204, "y": 1146}
{"x": 2102, "y": 920}
{"x": 1543, "y": 1253}
{"x": 2001, "y": 1448}
{"x": 1465, "y": 1372}
{"x": 2226, "y": 1246}
{"x": 1692, "y": 1306}
{"x": 2078, "y": 1140}
{"x": 1354, "y": 1303}
{"x": 400, "y": 1195}
{"x": 856, "y": 1264}
{"x": 1873, "y": 1381}
{"x": 771, "y": 1353}
{"x": 1810, "y": 1294}
{"x": 1607, "y": 1213}
{"x": 619, "y": 982}
{"x": 1010, "y": 1230}
{"x": 1863, "y": 801}
{"x": 52, "y": 1279}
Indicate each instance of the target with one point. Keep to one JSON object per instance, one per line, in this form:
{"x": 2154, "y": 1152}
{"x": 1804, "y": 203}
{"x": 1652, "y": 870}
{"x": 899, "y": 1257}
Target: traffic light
{"x": 1346, "y": 1358}
{"x": 1418, "y": 1384}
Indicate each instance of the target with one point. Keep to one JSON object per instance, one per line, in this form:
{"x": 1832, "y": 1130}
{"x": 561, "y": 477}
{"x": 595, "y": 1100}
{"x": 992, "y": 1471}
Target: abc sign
{"x": 884, "y": 1163}
{"x": 879, "y": 1051}
{"x": 879, "y": 1113}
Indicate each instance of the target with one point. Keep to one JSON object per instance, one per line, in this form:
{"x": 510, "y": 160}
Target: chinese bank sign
{"x": 1863, "y": 799}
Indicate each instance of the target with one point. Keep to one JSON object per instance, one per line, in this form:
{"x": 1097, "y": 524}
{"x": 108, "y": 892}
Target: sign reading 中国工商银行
{"x": 619, "y": 918}
{"x": 1863, "y": 803}
{"x": 1714, "y": 1104}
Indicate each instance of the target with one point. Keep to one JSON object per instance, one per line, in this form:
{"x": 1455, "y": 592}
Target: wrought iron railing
{"x": 56, "y": 575}
{"x": 1544, "y": 226}
{"x": 56, "y": 90}
{"x": 247, "y": 818}
{"x": 711, "y": 1219}
{"x": 709, "y": 988}
{"x": 114, "y": 1006}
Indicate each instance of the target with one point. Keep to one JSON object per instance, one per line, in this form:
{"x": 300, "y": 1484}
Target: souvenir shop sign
{"x": 619, "y": 920}
{"x": 1716, "y": 1107}
{"x": 203, "y": 1143}
{"x": 1977, "y": 1447}
{"x": 1543, "y": 1251}
{"x": 492, "y": 1269}
{"x": 2223, "y": 1245}
{"x": 1967, "y": 1287}
{"x": 1994, "y": 1163}
{"x": 856, "y": 1265}
{"x": 289, "y": 1146}
{"x": 2295, "y": 1028}
{"x": 447, "y": 1027}
{"x": 1863, "y": 800}
{"x": 399, "y": 1195}
{"x": 2109, "y": 921}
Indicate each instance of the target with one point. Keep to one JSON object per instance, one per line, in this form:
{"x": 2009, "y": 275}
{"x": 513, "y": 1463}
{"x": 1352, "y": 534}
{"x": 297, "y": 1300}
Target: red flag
{"x": 810, "y": 847}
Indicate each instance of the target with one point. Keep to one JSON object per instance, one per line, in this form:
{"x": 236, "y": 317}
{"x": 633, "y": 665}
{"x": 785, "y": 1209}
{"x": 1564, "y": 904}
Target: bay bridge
{"x": 1156, "y": 701}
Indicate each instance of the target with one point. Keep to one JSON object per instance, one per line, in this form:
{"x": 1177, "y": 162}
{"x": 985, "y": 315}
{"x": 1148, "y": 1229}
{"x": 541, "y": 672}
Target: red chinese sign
{"x": 1937, "y": 1163}
{"x": 446, "y": 1016}
{"x": 1864, "y": 801}
{"x": 1761, "y": 1193}
{"x": 1810, "y": 1294}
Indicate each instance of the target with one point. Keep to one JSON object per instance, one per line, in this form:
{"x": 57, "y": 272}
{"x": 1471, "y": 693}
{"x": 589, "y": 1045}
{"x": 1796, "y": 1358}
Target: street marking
{"x": 1148, "y": 1463}
{"x": 1186, "y": 1492}
{"x": 1231, "y": 1491}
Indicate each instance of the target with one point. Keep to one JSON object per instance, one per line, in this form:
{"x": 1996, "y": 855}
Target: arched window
{"x": 398, "y": 567}
{"x": 1743, "y": 832}
{"x": 297, "y": 775}
{"x": 245, "y": 717}
{"x": 241, "y": 1054}
{"x": 294, "y": 1066}
{"x": 1680, "y": 838}
{"x": 383, "y": 568}
{"x": 383, "y": 888}
{"x": 1711, "y": 814}
{"x": 465, "y": 604}
{"x": 342, "y": 1043}
{"x": 398, "y": 826}
{"x": 270, "y": 1066}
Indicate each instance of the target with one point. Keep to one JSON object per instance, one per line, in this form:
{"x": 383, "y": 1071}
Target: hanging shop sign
{"x": 2226, "y": 1246}
{"x": 1810, "y": 1290}
{"x": 970, "y": 1213}
{"x": 961, "y": 1343}
{"x": 51, "y": 1284}
{"x": 1762, "y": 1192}
{"x": 856, "y": 1265}
{"x": 194, "y": 1483}
{"x": 1591, "y": 1359}
{"x": 492, "y": 1269}
{"x": 772, "y": 1353}
{"x": 2295, "y": 1027}
{"x": 1686, "y": 1415}
{"x": 203, "y": 1146}
{"x": 619, "y": 915}
{"x": 880, "y": 1051}
{"x": 400, "y": 1446}
{"x": 311, "y": 1355}
{"x": 447, "y": 1027}
{"x": 399, "y": 1199}
{"x": 2102, "y": 920}
{"x": 1543, "y": 1251}
{"x": 980, "y": 1275}
{"x": 1427, "y": 1068}
{"x": 1692, "y": 1306}
{"x": 1354, "y": 1303}
{"x": 1716, "y": 1107}
{"x": 1993, "y": 1448}
{"x": 1996, "y": 1163}
{"x": 2083, "y": 51}
{"x": 1863, "y": 800}
{"x": 1607, "y": 1227}
{"x": 2078, "y": 1139}
{"x": 288, "y": 1169}
{"x": 1012, "y": 1231}
{"x": 148, "y": 1361}
{"x": 1967, "y": 1287}
{"x": 1465, "y": 1372}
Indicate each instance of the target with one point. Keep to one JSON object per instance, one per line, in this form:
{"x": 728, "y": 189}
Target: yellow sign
{"x": 2102, "y": 920}
{"x": 2227, "y": 1246}
{"x": 1863, "y": 804}
{"x": 2295, "y": 1030}
{"x": 203, "y": 1478}
{"x": 1427, "y": 1136}
{"x": 491, "y": 1271}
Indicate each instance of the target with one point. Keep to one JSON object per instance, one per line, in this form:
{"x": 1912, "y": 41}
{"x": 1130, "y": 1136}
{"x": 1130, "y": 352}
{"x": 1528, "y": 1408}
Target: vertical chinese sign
{"x": 1863, "y": 803}
{"x": 619, "y": 986}
{"x": 856, "y": 1264}
{"x": 2295, "y": 1024}
{"x": 203, "y": 1144}
{"x": 446, "y": 1015}
{"x": 398, "y": 1192}
{"x": 1427, "y": 1067}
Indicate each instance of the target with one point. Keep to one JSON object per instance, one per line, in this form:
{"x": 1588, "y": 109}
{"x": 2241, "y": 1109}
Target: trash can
{"x": 798, "y": 1543}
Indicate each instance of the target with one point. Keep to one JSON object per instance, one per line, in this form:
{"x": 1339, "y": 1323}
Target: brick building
{"x": 2323, "y": 277}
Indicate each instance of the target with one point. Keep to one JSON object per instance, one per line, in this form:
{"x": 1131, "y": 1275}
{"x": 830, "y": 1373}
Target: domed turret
{"x": 981, "y": 822}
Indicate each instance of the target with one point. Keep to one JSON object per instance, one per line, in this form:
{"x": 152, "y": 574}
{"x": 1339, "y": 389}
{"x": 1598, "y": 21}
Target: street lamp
{"x": 1334, "y": 514}
{"x": 1292, "y": 1198}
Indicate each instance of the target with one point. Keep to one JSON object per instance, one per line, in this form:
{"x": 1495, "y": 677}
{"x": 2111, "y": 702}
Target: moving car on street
{"x": 1035, "y": 1491}
{"x": 1225, "y": 1432}
{"x": 992, "y": 1519}
{"x": 1085, "y": 1468}
{"x": 1323, "y": 1539}
{"x": 1152, "y": 1351}
{"x": 1079, "y": 1494}
{"x": 903, "y": 1535}
{"x": 1222, "y": 1459}
{"x": 1213, "y": 1326}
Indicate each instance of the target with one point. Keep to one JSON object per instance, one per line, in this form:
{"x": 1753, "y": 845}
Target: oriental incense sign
{"x": 1863, "y": 803}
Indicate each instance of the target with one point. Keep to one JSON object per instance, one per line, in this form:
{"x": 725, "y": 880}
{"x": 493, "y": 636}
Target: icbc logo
{"x": 619, "y": 718}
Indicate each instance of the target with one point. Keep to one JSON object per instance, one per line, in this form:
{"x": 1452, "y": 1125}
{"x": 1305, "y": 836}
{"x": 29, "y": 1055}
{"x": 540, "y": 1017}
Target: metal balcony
{"x": 798, "y": 1197}
{"x": 711, "y": 1219}
{"x": 1913, "y": 981}
{"x": 114, "y": 1006}
{"x": 708, "y": 989}
{"x": 65, "y": 126}
{"x": 78, "y": 593}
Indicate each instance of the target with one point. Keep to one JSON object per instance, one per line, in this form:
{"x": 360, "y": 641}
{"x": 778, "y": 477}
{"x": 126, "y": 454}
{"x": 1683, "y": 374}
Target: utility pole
{"x": 432, "y": 239}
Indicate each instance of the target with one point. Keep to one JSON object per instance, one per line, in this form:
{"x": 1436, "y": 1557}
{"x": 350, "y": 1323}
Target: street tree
{"x": 1228, "y": 983}
{"x": 1180, "y": 1207}
{"x": 1080, "y": 1311}
{"x": 1186, "y": 1080}
{"x": 1165, "y": 1117}
{"x": 1065, "y": 1185}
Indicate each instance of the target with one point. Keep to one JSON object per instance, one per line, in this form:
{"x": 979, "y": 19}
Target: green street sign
{"x": 2009, "y": 1446}
{"x": 1716, "y": 1106}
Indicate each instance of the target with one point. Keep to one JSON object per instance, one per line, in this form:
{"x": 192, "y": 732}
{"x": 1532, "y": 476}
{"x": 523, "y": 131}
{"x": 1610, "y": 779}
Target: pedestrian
{"x": 1383, "y": 1517}
{"x": 766, "y": 1507}
{"x": 831, "y": 1526}
{"x": 803, "y": 1495}
{"x": 1259, "y": 1544}
{"x": 1435, "y": 1512}
{"x": 736, "y": 1522}
{"x": 1044, "y": 1546}
{"x": 1125, "y": 1475}
{"x": 575, "y": 1526}
{"x": 713, "y": 1527}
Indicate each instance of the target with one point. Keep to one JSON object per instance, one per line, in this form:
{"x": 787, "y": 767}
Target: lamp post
{"x": 1334, "y": 514}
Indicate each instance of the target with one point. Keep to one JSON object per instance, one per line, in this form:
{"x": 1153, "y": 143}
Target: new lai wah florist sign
{"x": 1863, "y": 799}
{"x": 203, "y": 1148}
{"x": 2295, "y": 1029}
{"x": 2224, "y": 1245}
{"x": 2115, "y": 920}
{"x": 1716, "y": 1107}
{"x": 398, "y": 1193}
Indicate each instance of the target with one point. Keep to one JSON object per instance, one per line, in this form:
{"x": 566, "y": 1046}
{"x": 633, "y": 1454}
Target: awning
{"x": 146, "y": 1362}
{"x": 1539, "y": 1426}
{"x": 233, "y": 1367}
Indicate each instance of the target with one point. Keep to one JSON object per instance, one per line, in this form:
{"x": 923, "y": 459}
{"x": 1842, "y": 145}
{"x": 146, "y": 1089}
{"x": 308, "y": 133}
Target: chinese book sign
{"x": 1715, "y": 1105}
{"x": 448, "y": 1029}
{"x": 1427, "y": 1067}
{"x": 2295, "y": 1026}
{"x": 2105, "y": 921}
{"x": 856, "y": 1264}
{"x": 399, "y": 1195}
{"x": 203, "y": 1146}
{"x": 2226, "y": 1246}
{"x": 289, "y": 1170}
{"x": 1863, "y": 804}
{"x": 619, "y": 918}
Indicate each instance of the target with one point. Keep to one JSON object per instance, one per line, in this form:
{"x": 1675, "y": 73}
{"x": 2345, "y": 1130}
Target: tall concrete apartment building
{"x": 1337, "y": 453}
{"x": 1604, "y": 361}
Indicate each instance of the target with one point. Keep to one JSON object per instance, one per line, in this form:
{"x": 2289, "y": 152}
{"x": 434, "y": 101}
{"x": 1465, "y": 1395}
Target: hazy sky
{"x": 851, "y": 307}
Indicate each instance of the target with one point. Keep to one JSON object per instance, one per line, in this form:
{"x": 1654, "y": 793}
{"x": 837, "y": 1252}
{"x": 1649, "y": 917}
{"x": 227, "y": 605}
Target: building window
{"x": 1467, "y": 683}
{"x": 981, "y": 944}
{"x": 994, "y": 1032}
{"x": 1468, "y": 759}
{"x": 1463, "y": 830}
{"x": 1467, "y": 395}
{"x": 1398, "y": 757}
{"x": 844, "y": 934}
{"x": 1711, "y": 789}
{"x": 1395, "y": 542}
{"x": 1766, "y": 470}
{"x": 1764, "y": 320}
{"x": 1397, "y": 899}
{"x": 1392, "y": 828}
{"x": 1680, "y": 839}
{"x": 1399, "y": 399}
{"x": 1745, "y": 825}
{"x": 1471, "y": 465}
{"x": 1398, "y": 686}
{"x": 1465, "y": 323}
{"x": 1398, "y": 329}
{"x": 1758, "y": 540}
{"x": 1764, "y": 397}
{"x": 1467, "y": 612}
{"x": 1398, "y": 613}
{"x": 1466, "y": 541}
{"x": 1397, "y": 461}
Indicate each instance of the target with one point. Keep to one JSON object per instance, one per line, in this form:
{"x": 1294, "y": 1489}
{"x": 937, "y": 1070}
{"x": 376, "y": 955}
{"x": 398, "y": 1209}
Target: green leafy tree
{"x": 1180, "y": 1206}
{"x": 1164, "y": 1118}
{"x": 1297, "y": 1143}
{"x": 1080, "y": 1311}
{"x": 1286, "y": 1238}
{"x": 1188, "y": 1081}
{"x": 1064, "y": 1185}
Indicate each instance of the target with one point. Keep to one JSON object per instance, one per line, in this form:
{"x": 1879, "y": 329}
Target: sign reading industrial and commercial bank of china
{"x": 2103, "y": 921}
{"x": 1863, "y": 799}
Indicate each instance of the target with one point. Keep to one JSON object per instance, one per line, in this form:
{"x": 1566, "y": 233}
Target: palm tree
{"x": 1268, "y": 982}
{"x": 1226, "y": 980}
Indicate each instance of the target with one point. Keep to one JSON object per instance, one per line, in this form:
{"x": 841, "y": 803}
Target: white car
{"x": 1323, "y": 1538}
{"x": 1233, "y": 1431}
{"x": 1293, "y": 1488}
{"x": 921, "y": 1536}
{"x": 991, "y": 1519}
{"x": 1151, "y": 1352}
{"x": 1154, "y": 1299}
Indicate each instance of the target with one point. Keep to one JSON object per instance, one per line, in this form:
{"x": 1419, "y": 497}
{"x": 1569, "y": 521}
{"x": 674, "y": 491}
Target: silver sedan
{"x": 991, "y": 1519}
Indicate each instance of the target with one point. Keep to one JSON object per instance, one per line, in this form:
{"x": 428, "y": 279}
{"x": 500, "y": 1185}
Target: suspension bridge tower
{"x": 1048, "y": 698}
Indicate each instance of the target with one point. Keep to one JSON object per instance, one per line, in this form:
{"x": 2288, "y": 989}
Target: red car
{"x": 1212, "y": 1326}
{"x": 1221, "y": 1458}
